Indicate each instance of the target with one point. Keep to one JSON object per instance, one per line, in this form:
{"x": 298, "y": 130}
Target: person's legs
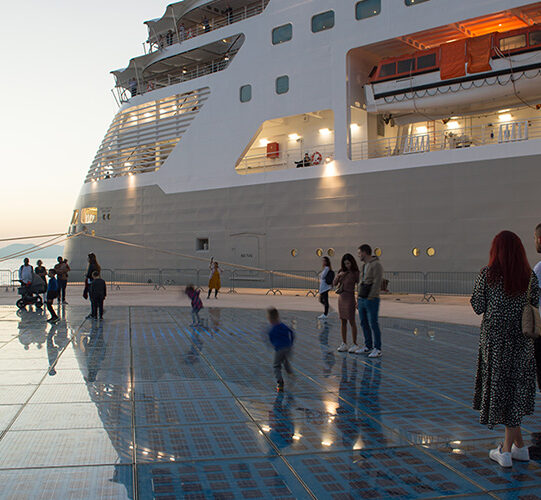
{"x": 62, "y": 285}
{"x": 93, "y": 308}
{"x": 353, "y": 324}
{"x": 287, "y": 364}
{"x": 325, "y": 301}
{"x": 363, "y": 315}
{"x": 277, "y": 366}
{"x": 194, "y": 317}
{"x": 373, "y": 320}
{"x": 216, "y": 293}
{"x": 50, "y": 308}
{"x": 208, "y": 295}
{"x": 100, "y": 308}
{"x": 344, "y": 330}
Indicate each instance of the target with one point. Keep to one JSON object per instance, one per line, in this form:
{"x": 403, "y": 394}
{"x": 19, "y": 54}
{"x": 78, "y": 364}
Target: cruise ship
{"x": 269, "y": 133}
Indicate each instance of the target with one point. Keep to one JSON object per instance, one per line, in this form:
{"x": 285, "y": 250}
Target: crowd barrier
{"x": 428, "y": 285}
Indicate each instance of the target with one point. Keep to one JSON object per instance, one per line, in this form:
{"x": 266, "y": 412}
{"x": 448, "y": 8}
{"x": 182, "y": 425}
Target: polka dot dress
{"x": 505, "y": 381}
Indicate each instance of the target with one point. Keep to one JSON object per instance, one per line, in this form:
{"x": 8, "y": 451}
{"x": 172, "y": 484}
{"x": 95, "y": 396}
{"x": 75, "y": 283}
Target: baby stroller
{"x": 30, "y": 294}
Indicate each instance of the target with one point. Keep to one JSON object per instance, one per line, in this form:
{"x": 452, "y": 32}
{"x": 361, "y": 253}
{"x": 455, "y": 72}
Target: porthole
{"x": 330, "y": 252}
{"x": 294, "y": 252}
{"x": 319, "y": 252}
{"x": 378, "y": 252}
{"x": 246, "y": 93}
{"x": 282, "y": 84}
{"x": 430, "y": 251}
{"x": 416, "y": 252}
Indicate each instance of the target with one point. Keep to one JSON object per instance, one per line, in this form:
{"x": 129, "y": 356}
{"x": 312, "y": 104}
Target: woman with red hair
{"x": 505, "y": 381}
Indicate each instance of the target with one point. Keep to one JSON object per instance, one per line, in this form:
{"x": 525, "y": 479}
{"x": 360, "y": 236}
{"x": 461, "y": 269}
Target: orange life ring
{"x": 317, "y": 158}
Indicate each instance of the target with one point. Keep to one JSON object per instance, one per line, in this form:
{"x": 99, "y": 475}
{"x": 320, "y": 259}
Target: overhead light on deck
{"x": 422, "y": 129}
{"x": 325, "y": 131}
{"x": 354, "y": 127}
{"x": 453, "y": 125}
{"x": 504, "y": 110}
{"x": 263, "y": 142}
{"x": 505, "y": 117}
{"x": 294, "y": 137}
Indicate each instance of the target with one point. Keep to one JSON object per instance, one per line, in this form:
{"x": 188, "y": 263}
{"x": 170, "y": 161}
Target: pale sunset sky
{"x": 57, "y": 102}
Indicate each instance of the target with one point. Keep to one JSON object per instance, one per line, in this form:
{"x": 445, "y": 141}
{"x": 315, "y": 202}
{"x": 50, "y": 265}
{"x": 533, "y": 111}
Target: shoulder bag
{"x": 531, "y": 320}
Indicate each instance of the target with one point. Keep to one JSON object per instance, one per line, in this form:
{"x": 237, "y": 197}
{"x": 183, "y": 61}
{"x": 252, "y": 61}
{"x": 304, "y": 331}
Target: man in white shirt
{"x": 26, "y": 272}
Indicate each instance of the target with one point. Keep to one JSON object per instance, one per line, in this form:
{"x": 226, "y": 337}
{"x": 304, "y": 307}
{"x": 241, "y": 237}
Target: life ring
{"x": 317, "y": 158}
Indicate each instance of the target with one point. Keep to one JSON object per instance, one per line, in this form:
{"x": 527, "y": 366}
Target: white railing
{"x": 186, "y": 33}
{"x": 448, "y": 139}
{"x": 292, "y": 158}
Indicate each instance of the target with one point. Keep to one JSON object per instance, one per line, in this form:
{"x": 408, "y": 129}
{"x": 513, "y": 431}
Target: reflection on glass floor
{"x": 145, "y": 406}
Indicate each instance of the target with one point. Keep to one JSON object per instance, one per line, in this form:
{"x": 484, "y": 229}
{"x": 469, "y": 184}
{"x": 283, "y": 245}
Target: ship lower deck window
{"x": 406, "y": 66}
{"x": 202, "y": 244}
{"x": 535, "y": 38}
{"x": 282, "y": 84}
{"x": 387, "y": 70}
{"x": 413, "y": 2}
{"x": 367, "y": 8}
{"x": 89, "y": 215}
{"x": 282, "y": 34}
{"x": 428, "y": 61}
{"x": 323, "y": 21}
{"x": 513, "y": 42}
{"x": 246, "y": 93}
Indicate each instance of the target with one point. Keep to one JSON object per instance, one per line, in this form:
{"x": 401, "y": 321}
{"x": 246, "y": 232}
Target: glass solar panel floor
{"x": 142, "y": 405}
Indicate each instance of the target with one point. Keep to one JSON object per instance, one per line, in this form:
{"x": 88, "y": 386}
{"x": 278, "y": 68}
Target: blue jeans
{"x": 368, "y": 313}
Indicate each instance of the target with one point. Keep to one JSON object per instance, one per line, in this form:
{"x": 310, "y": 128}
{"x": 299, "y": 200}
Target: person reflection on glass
{"x": 280, "y": 422}
{"x": 95, "y": 348}
{"x": 57, "y": 339}
{"x": 346, "y": 420}
{"x": 326, "y": 352}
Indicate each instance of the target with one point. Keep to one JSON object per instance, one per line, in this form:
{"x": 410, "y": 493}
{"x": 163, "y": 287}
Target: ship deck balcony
{"x": 440, "y": 140}
{"x": 205, "y": 19}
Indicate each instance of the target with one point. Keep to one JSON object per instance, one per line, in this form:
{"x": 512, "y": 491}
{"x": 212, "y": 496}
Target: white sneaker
{"x": 353, "y": 349}
{"x": 363, "y": 350}
{"x": 375, "y": 353}
{"x": 322, "y": 316}
{"x": 343, "y": 347}
{"x": 503, "y": 458}
{"x": 520, "y": 454}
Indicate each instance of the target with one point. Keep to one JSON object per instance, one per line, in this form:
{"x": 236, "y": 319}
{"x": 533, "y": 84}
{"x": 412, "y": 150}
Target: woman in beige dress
{"x": 345, "y": 283}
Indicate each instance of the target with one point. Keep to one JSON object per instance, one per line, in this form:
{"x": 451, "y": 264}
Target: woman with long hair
{"x": 345, "y": 282}
{"x": 505, "y": 381}
{"x": 325, "y": 285}
{"x": 92, "y": 266}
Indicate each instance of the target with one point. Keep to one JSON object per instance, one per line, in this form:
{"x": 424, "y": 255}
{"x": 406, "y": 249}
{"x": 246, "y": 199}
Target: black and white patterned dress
{"x": 505, "y": 381}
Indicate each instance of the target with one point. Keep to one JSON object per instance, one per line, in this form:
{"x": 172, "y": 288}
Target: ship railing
{"x": 263, "y": 161}
{"x": 179, "y": 75}
{"x": 426, "y": 286}
{"x": 214, "y": 23}
{"x": 466, "y": 137}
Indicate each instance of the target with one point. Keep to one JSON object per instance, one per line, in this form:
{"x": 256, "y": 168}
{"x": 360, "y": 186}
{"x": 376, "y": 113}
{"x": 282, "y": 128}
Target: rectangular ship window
{"x": 513, "y": 42}
{"x": 367, "y": 8}
{"x": 535, "y": 38}
{"x": 413, "y": 2}
{"x": 323, "y": 21}
{"x": 282, "y": 34}
{"x": 406, "y": 66}
{"x": 428, "y": 61}
{"x": 202, "y": 244}
{"x": 387, "y": 70}
{"x": 246, "y": 93}
{"x": 89, "y": 215}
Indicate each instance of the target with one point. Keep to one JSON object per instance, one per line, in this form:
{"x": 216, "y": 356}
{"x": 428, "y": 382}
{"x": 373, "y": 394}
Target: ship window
{"x": 413, "y": 2}
{"x": 282, "y": 34}
{"x": 282, "y": 84}
{"x": 367, "y": 8}
{"x": 75, "y": 217}
{"x": 513, "y": 42}
{"x": 406, "y": 66}
{"x": 387, "y": 70}
{"x": 431, "y": 251}
{"x": 246, "y": 93}
{"x": 428, "y": 61}
{"x": 202, "y": 244}
{"x": 535, "y": 38}
{"x": 330, "y": 252}
{"x": 294, "y": 252}
{"x": 416, "y": 252}
{"x": 319, "y": 252}
{"x": 89, "y": 215}
{"x": 378, "y": 252}
{"x": 323, "y": 21}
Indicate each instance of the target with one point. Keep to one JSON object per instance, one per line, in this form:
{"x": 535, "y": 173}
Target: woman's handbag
{"x": 531, "y": 320}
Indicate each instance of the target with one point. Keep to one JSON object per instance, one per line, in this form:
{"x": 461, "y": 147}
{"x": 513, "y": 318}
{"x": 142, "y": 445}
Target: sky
{"x": 55, "y": 84}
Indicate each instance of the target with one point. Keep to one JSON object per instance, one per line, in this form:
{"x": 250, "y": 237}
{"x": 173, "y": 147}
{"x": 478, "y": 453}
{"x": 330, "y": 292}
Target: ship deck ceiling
{"x": 501, "y": 21}
{"x": 198, "y": 14}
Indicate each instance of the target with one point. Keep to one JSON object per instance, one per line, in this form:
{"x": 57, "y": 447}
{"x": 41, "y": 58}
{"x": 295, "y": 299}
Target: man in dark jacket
{"x": 97, "y": 293}
{"x": 281, "y": 337}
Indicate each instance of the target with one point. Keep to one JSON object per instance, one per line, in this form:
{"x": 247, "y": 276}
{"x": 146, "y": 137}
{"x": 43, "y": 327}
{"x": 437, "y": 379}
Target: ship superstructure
{"x": 270, "y": 133}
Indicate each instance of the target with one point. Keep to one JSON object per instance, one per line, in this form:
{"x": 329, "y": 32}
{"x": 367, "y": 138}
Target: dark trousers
{"x": 368, "y": 312}
{"x": 281, "y": 357}
{"x": 96, "y": 307}
{"x": 215, "y": 293}
{"x": 50, "y": 301}
{"x": 324, "y": 299}
{"x": 62, "y": 284}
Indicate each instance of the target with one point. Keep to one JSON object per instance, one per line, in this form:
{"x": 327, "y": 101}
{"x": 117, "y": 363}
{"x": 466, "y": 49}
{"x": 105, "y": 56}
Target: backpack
{"x": 329, "y": 278}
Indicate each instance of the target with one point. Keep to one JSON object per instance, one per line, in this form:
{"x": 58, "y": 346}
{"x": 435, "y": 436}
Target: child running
{"x": 281, "y": 337}
{"x": 197, "y": 304}
{"x": 52, "y": 294}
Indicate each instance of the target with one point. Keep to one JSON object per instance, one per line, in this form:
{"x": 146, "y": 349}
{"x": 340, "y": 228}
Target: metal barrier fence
{"x": 429, "y": 284}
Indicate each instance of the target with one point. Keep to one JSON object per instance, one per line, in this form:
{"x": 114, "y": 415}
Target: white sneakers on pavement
{"x": 343, "y": 347}
{"x": 375, "y": 353}
{"x": 353, "y": 349}
{"x": 322, "y": 316}
{"x": 520, "y": 454}
{"x": 504, "y": 458}
{"x": 363, "y": 350}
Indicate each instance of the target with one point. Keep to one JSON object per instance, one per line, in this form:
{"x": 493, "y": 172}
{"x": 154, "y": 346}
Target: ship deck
{"x": 145, "y": 406}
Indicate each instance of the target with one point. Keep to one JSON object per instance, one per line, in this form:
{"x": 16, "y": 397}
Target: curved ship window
{"x": 430, "y": 251}
{"x": 282, "y": 84}
{"x": 246, "y": 93}
{"x": 323, "y": 21}
{"x": 330, "y": 252}
{"x": 387, "y": 70}
{"x": 406, "y": 66}
{"x": 319, "y": 252}
{"x": 428, "y": 61}
{"x": 513, "y": 42}
{"x": 89, "y": 215}
{"x": 367, "y": 8}
{"x": 535, "y": 38}
{"x": 413, "y": 2}
{"x": 282, "y": 34}
{"x": 416, "y": 252}
{"x": 294, "y": 252}
{"x": 378, "y": 252}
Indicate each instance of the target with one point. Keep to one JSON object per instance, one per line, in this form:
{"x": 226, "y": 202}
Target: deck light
{"x": 505, "y": 117}
{"x": 354, "y": 127}
{"x": 453, "y": 125}
{"x": 326, "y": 443}
{"x": 324, "y": 131}
{"x": 263, "y": 142}
{"x": 422, "y": 129}
{"x": 294, "y": 137}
